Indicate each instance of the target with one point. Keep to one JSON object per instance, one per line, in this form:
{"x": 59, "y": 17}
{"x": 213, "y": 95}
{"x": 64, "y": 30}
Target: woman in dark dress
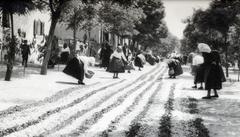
{"x": 105, "y": 54}
{"x": 175, "y": 68}
{"x": 213, "y": 73}
{"x": 78, "y": 68}
{"x": 65, "y": 54}
{"x": 75, "y": 68}
{"x": 150, "y": 59}
{"x": 171, "y": 67}
{"x": 139, "y": 60}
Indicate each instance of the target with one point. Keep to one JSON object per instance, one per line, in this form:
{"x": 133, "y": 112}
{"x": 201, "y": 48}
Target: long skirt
{"x": 199, "y": 74}
{"x": 64, "y": 57}
{"x": 175, "y": 69}
{"x": 194, "y": 69}
{"x": 178, "y": 69}
{"x": 116, "y": 65}
{"x": 214, "y": 77}
{"x": 150, "y": 59}
{"x": 75, "y": 68}
{"x": 138, "y": 62}
{"x": 105, "y": 62}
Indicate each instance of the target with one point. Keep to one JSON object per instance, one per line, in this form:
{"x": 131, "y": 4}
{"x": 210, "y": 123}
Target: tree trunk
{"x": 137, "y": 46}
{"x": 89, "y": 46}
{"x": 74, "y": 35}
{"x": 101, "y": 36}
{"x": 11, "y": 53}
{"x": 49, "y": 45}
{"x": 73, "y": 53}
{"x": 132, "y": 47}
{"x": 226, "y": 54}
{"x": 121, "y": 39}
{"x": 2, "y": 46}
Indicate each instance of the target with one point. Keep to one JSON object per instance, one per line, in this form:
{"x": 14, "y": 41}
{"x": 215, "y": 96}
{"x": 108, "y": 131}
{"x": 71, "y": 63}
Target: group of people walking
{"x": 120, "y": 59}
{"x": 205, "y": 67}
{"x": 115, "y": 62}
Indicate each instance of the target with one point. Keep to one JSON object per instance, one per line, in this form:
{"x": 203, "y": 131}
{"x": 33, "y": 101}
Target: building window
{"x": 38, "y": 27}
{"x": 5, "y": 20}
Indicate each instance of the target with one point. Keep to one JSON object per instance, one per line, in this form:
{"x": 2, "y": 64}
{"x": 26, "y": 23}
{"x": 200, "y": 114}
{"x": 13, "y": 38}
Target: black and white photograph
{"x": 119, "y": 68}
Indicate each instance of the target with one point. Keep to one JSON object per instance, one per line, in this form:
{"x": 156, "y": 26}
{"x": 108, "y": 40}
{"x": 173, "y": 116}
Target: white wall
{"x": 25, "y": 22}
{"x": 62, "y": 32}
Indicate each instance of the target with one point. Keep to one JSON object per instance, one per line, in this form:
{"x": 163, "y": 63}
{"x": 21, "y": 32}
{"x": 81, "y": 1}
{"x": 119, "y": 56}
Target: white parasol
{"x": 204, "y": 48}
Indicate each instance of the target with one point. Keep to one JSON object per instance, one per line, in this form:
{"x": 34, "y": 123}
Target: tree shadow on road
{"x": 105, "y": 77}
{"x": 67, "y": 83}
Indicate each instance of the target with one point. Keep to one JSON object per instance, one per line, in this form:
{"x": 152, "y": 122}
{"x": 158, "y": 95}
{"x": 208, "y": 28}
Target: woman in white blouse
{"x": 116, "y": 62}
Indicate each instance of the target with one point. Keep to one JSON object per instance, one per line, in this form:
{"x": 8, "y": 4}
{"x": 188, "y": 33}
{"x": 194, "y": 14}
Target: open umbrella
{"x": 204, "y": 48}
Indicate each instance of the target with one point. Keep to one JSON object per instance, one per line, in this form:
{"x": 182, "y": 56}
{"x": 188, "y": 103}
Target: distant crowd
{"x": 118, "y": 60}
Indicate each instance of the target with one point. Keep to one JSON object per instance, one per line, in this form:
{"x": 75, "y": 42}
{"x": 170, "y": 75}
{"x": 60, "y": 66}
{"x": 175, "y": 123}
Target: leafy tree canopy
{"x": 151, "y": 28}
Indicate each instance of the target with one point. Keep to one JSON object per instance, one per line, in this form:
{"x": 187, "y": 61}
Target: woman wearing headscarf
{"x": 116, "y": 64}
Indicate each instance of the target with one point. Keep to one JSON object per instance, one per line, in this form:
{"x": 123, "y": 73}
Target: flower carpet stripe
{"x": 69, "y": 120}
{"x": 99, "y": 114}
{"x": 113, "y": 125}
{"x": 49, "y": 107}
{"x": 53, "y": 98}
{"x": 89, "y": 122}
{"x": 110, "y": 100}
{"x": 57, "y": 110}
{"x": 34, "y": 113}
{"x": 148, "y": 125}
{"x": 165, "y": 122}
{"x": 50, "y": 112}
{"x": 136, "y": 128}
{"x": 193, "y": 127}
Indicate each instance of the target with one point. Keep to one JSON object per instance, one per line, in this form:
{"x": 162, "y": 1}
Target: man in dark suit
{"x": 25, "y": 52}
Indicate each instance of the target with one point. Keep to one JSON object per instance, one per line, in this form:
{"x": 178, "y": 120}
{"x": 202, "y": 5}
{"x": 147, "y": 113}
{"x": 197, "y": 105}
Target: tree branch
{"x": 51, "y": 6}
{"x": 44, "y": 2}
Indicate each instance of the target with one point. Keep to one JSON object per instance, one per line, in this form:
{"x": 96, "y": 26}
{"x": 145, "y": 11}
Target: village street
{"x": 141, "y": 103}
{"x": 119, "y": 68}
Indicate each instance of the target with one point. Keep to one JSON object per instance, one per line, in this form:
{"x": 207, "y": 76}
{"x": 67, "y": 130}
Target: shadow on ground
{"x": 67, "y": 83}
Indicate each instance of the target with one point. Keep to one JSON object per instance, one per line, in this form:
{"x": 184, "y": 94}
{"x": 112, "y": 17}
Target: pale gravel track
{"x": 86, "y": 124}
{"x": 78, "y": 114}
{"x": 57, "y": 110}
{"x": 53, "y": 98}
{"x": 114, "y": 123}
